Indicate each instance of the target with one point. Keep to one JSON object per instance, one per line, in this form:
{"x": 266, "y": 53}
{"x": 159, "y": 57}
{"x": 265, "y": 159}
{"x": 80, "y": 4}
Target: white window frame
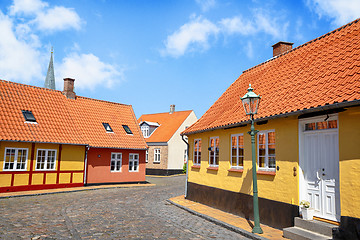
{"x": 145, "y": 130}
{"x": 46, "y": 159}
{"x": 237, "y": 151}
{"x": 157, "y": 155}
{"x": 147, "y": 156}
{"x": 197, "y": 159}
{"x": 212, "y": 161}
{"x": 132, "y": 166}
{"x": 15, "y": 159}
{"x": 116, "y": 160}
{"x": 266, "y": 168}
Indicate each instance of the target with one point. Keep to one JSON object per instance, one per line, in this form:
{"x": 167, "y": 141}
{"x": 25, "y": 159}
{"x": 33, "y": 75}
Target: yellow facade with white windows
{"x": 280, "y": 186}
{"x": 31, "y": 166}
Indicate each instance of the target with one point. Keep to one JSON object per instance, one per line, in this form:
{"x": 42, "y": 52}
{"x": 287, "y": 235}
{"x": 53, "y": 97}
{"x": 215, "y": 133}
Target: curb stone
{"x": 220, "y": 223}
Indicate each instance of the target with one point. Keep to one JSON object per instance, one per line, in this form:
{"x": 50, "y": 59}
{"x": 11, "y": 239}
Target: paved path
{"x": 117, "y": 213}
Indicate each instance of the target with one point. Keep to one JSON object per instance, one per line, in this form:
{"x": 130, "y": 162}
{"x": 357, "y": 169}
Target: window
{"x": 157, "y": 155}
{"x": 320, "y": 125}
{"x": 127, "y": 129}
{"x": 133, "y": 162}
{"x": 116, "y": 162}
{"x": 237, "y": 151}
{"x": 214, "y": 152}
{"x": 45, "y": 159}
{"x": 147, "y": 156}
{"x": 266, "y": 150}
{"x": 197, "y": 152}
{"x": 29, "y": 116}
{"x": 107, "y": 127}
{"x": 15, "y": 159}
{"x": 145, "y": 130}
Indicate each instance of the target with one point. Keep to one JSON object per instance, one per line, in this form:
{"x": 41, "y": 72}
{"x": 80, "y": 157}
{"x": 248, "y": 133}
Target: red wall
{"x": 98, "y": 168}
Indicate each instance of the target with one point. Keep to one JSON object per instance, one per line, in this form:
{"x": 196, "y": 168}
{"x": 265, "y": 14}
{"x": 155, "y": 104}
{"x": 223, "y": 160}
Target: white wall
{"x": 177, "y": 146}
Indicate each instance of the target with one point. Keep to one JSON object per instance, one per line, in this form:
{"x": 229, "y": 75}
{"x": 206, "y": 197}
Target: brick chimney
{"x": 69, "y": 88}
{"x": 281, "y": 47}
{"x": 172, "y": 109}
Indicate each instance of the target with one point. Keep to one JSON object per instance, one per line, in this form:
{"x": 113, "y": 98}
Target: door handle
{"x": 317, "y": 175}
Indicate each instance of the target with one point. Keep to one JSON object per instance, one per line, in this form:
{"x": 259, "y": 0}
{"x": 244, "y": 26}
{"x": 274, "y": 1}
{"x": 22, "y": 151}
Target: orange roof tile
{"x": 63, "y": 120}
{"x": 169, "y": 123}
{"x": 322, "y": 72}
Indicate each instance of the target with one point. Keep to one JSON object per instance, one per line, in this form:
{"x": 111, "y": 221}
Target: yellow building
{"x": 307, "y": 147}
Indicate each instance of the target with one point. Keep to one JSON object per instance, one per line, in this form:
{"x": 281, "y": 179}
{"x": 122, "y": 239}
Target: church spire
{"x": 50, "y": 77}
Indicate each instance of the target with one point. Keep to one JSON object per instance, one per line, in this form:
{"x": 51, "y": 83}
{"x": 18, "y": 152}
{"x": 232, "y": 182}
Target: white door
{"x": 319, "y": 162}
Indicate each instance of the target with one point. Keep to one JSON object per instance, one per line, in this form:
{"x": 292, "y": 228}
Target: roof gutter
{"x": 187, "y": 164}
{"x": 299, "y": 112}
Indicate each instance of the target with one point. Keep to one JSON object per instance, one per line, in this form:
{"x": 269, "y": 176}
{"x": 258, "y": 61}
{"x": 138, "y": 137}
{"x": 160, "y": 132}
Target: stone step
{"x": 296, "y": 233}
{"x": 322, "y": 228}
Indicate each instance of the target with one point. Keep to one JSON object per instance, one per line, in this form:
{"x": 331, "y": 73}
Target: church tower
{"x": 50, "y": 77}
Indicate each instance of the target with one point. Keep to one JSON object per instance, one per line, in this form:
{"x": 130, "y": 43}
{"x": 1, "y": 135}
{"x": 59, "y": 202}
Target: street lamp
{"x": 251, "y": 103}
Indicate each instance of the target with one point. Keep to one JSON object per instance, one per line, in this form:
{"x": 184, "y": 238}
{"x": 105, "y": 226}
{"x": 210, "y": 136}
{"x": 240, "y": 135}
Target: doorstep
{"x": 227, "y": 220}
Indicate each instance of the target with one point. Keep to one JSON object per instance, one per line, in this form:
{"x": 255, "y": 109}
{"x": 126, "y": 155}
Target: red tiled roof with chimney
{"x": 322, "y": 73}
{"x": 64, "y": 120}
{"x": 169, "y": 123}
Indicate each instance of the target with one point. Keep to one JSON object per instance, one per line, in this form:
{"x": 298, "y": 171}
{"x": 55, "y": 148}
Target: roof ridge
{"x": 304, "y": 44}
{"x": 167, "y": 112}
{"x": 28, "y": 85}
{"x": 99, "y": 100}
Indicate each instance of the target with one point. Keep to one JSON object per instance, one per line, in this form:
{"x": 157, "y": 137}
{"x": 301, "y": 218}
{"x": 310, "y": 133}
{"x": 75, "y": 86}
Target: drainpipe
{"x": 87, "y": 148}
{"x": 187, "y": 163}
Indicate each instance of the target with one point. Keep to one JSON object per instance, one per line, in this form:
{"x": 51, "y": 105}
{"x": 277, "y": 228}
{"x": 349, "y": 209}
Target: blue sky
{"x": 152, "y": 54}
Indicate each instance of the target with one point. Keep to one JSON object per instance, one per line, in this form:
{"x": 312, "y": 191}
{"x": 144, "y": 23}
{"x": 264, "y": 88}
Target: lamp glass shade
{"x": 250, "y": 102}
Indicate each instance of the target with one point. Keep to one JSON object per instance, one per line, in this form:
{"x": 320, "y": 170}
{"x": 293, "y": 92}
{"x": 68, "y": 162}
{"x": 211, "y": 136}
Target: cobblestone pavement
{"x": 117, "y": 213}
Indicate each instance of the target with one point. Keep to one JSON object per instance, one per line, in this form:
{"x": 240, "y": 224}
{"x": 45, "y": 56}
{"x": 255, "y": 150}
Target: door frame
{"x": 302, "y": 184}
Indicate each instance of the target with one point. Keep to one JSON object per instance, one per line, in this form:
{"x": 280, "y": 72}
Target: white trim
{"x": 266, "y": 168}
{"x": 116, "y": 160}
{"x": 134, "y": 161}
{"x": 197, "y": 162}
{"x": 147, "y": 156}
{"x": 15, "y": 159}
{"x": 237, "y": 151}
{"x": 46, "y": 159}
{"x": 212, "y": 163}
{"x": 145, "y": 131}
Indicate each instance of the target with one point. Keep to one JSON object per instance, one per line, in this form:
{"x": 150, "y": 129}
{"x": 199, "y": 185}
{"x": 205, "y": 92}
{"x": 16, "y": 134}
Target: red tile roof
{"x": 321, "y": 73}
{"x": 169, "y": 123}
{"x": 63, "y": 120}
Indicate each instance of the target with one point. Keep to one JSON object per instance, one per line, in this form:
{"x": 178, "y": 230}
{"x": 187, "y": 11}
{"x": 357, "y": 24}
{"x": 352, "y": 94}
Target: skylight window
{"x": 107, "y": 127}
{"x": 29, "y": 116}
{"x": 127, "y": 129}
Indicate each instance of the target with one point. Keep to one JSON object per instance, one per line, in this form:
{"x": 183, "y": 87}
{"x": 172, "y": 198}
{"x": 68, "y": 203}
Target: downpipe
{"x": 187, "y": 164}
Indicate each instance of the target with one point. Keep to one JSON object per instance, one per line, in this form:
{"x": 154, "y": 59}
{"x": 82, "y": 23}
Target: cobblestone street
{"x": 117, "y": 213}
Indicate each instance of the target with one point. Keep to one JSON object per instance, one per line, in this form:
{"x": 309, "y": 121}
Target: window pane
{"x": 261, "y": 138}
{"x": 261, "y": 161}
{"x": 233, "y": 161}
{"x": 271, "y": 149}
{"x": 271, "y": 137}
{"x": 262, "y": 151}
{"x": 241, "y": 140}
{"x": 234, "y": 142}
{"x": 272, "y": 163}
{"x": 112, "y": 167}
{"x": 241, "y": 161}
{"x": 321, "y": 125}
{"x": 332, "y": 124}
{"x": 241, "y": 152}
{"x": 233, "y": 152}
{"x": 309, "y": 126}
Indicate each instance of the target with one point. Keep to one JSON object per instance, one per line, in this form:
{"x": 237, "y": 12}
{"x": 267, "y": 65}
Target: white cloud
{"x": 191, "y": 36}
{"x": 27, "y": 7}
{"x": 262, "y": 22}
{"x": 57, "y": 19}
{"x": 89, "y": 72}
{"x": 19, "y": 60}
{"x": 249, "y": 50}
{"x": 341, "y": 12}
{"x": 206, "y": 4}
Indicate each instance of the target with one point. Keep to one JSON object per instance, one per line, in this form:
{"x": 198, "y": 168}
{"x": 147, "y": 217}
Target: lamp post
{"x": 251, "y": 103}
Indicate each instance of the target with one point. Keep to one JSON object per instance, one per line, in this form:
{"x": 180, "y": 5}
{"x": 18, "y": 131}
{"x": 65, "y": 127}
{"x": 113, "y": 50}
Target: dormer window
{"x": 127, "y": 129}
{"x": 145, "y": 130}
{"x": 107, "y": 127}
{"x": 29, "y": 116}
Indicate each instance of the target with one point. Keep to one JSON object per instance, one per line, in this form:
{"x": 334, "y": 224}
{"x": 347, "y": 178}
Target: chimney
{"x": 172, "y": 109}
{"x": 69, "y": 88}
{"x": 281, "y": 47}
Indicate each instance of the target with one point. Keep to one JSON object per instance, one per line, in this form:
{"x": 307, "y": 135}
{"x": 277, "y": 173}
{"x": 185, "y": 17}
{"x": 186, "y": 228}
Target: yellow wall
{"x": 281, "y": 187}
{"x": 72, "y": 158}
{"x": 349, "y": 151}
